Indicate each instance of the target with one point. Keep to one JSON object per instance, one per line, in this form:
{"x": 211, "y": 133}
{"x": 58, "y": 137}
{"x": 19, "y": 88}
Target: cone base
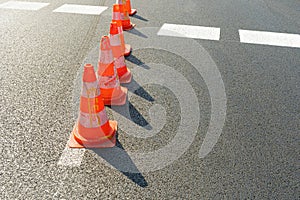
{"x": 132, "y": 12}
{"x": 127, "y": 28}
{"x": 127, "y": 50}
{"x": 74, "y": 142}
{"x": 126, "y": 78}
{"x": 118, "y": 98}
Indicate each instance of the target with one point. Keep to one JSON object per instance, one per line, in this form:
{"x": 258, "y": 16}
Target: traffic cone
{"x": 126, "y": 48}
{"x": 131, "y": 11}
{"x": 126, "y": 24}
{"x": 112, "y": 92}
{"x": 93, "y": 129}
{"x": 122, "y": 70}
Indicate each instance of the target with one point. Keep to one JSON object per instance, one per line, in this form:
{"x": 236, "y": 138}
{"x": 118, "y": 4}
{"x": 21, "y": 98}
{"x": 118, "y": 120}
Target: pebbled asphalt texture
{"x": 256, "y": 156}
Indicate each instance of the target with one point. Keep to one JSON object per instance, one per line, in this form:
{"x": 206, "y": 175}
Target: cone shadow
{"x": 138, "y": 33}
{"x": 137, "y": 89}
{"x": 131, "y": 113}
{"x": 139, "y": 17}
{"x": 137, "y": 61}
{"x": 118, "y": 158}
{"x": 137, "y": 117}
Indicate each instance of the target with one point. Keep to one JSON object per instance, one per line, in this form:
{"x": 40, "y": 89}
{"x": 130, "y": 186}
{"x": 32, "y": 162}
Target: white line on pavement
{"x": 71, "y": 157}
{"x": 22, "y": 5}
{"x": 186, "y": 31}
{"x": 270, "y": 38}
{"x": 80, "y": 9}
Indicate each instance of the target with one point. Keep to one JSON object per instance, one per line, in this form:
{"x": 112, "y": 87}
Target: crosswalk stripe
{"x": 23, "y": 5}
{"x": 187, "y": 31}
{"x": 80, "y": 9}
{"x": 270, "y": 38}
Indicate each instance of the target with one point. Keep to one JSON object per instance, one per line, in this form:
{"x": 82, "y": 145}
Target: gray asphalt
{"x": 256, "y": 156}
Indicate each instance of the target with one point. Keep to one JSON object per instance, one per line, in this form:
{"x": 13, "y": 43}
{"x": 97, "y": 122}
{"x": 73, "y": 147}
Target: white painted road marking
{"x": 71, "y": 157}
{"x": 81, "y": 9}
{"x": 186, "y": 31}
{"x": 22, "y": 5}
{"x": 270, "y": 38}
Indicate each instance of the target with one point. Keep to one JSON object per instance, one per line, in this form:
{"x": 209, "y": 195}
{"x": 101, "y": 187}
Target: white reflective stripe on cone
{"x": 120, "y": 2}
{"x": 122, "y": 16}
{"x": 105, "y": 44}
{"x": 116, "y": 16}
{"x": 120, "y": 29}
{"x": 90, "y": 90}
{"x": 120, "y": 62}
{"x": 115, "y": 40}
{"x": 93, "y": 120}
{"x": 109, "y": 82}
{"x": 106, "y": 56}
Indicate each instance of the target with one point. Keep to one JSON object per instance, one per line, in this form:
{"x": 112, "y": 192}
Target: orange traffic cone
{"x": 127, "y": 25}
{"x": 112, "y": 92}
{"x": 93, "y": 129}
{"x": 126, "y": 48}
{"x": 128, "y": 8}
{"x": 122, "y": 70}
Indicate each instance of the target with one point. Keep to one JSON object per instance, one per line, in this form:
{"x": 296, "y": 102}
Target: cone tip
{"x": 104, "y": 38}
{"x": 105, "y": 43}
{"x": 88, "y": 66}
{"x": 116, "y": 8}
{"x": 89, "y": 73}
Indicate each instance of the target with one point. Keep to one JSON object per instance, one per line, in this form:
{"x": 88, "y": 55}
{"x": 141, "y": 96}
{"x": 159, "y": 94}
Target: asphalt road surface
{"x": 211, "y": 113}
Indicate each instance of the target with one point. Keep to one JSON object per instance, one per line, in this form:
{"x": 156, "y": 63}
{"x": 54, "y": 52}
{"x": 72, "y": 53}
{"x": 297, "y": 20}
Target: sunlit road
{"x": 221, "y": 76}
